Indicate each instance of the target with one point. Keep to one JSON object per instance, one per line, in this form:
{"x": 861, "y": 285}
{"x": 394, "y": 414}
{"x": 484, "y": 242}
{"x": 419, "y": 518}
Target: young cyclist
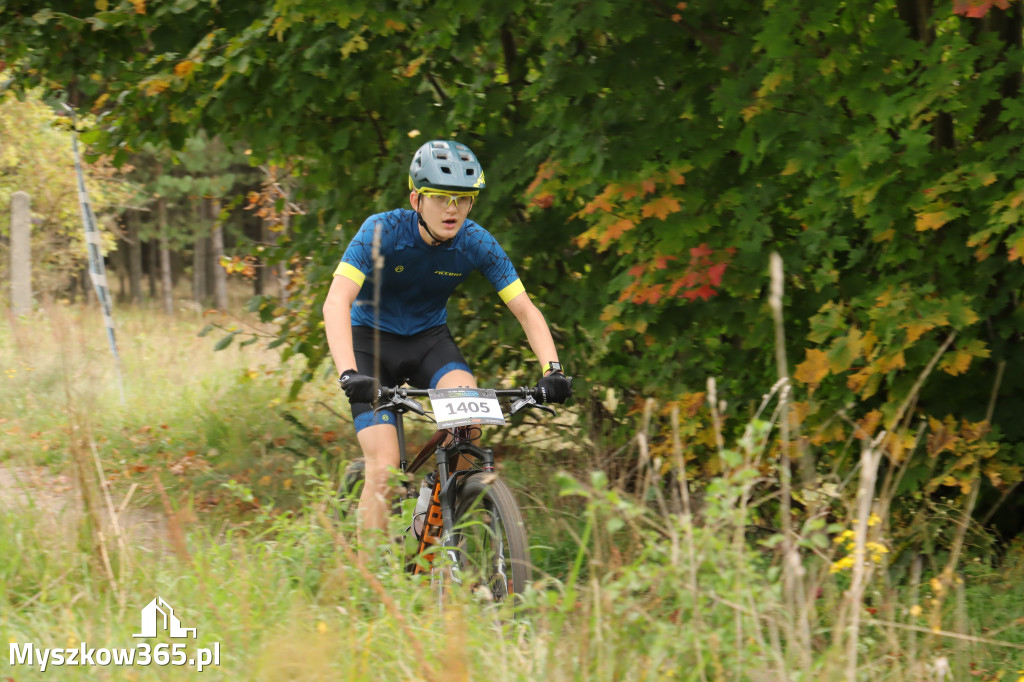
{"x": 424, "y": 254}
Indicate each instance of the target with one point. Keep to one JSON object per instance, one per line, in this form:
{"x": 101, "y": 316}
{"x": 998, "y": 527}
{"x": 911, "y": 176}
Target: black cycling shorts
{"x": 419, "y": 360}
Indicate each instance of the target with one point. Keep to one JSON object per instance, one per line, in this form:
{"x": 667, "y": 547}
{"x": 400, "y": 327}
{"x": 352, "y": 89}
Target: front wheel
{"x": 490, "y": 537}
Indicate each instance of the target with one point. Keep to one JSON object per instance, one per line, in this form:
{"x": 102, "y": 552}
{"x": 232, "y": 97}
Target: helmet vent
{"x": 447, "y": 166}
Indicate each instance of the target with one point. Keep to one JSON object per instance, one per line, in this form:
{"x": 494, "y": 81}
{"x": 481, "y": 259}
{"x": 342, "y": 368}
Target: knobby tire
{"x": 485, "y": 504}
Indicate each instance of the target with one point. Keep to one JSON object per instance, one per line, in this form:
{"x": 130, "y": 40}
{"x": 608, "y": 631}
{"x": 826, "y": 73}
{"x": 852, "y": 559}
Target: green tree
{"x": 643, "y": 161}
{"x": 36, "y": 157}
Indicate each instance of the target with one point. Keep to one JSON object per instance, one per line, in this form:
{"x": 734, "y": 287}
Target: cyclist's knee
{"x": 365, "y": 417}
{"x": 380, "y": 449}
{"x": 456, "y": 377}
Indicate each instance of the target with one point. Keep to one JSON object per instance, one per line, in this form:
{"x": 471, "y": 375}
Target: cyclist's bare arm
{"x": 538, "y": 334}
{"x": 338, "y": 321}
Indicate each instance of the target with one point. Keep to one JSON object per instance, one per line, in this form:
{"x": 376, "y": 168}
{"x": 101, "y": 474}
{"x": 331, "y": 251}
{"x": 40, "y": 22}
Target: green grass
{"x": 266, "y": 569}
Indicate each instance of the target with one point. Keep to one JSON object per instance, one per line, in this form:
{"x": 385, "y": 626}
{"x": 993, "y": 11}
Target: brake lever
{"x": 401, "y": 401}
{"x": 529, "y": 401}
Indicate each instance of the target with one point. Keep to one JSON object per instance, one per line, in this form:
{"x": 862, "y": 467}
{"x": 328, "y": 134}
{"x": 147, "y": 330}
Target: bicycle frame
{"x": 439, "y": 521}
{"x": 441, "y": 511}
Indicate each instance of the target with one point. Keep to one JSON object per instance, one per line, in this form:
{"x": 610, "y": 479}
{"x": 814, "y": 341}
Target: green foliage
{"x": 642, "y": 163}
{"x": 273, "y": 576}
{"x": 36, "y": 157}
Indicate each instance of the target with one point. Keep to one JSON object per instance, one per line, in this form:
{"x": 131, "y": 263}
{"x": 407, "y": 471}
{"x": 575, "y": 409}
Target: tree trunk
{"x": 88, "y": 293}
{"x": 123, "y": 268}
{"x": 220, "y": 277}
{"x": 153, "y": 253}
{"x": 917, "y": 14}
{"x": 166, "y": 285}
{"x": 1008, "y": 25}
{"x": 282, "y": 268}
{"x": 262, "y": 271}
{"x": 200, "y": 287}
{"x": 134, "y": 257}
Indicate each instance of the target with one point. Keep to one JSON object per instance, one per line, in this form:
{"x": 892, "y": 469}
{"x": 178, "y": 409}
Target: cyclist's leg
{"x": 379, "y": 443}
{"x": 375, "y": 432}
{"x": 443, "y": 366}
{"x": 456, "y": 378}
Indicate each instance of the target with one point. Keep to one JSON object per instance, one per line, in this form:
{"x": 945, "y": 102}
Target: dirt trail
{"x": 56, "y": 504}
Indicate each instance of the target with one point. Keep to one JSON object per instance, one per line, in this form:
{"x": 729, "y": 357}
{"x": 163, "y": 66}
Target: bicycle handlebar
{"x": 390, "y": 392}
{"x": 398, "y": 396}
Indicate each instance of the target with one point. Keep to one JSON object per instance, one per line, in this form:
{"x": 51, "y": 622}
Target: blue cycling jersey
{"x": 417, "y": 279}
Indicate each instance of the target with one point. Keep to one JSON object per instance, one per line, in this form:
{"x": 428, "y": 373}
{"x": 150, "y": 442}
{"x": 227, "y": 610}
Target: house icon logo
{"x": 152, "y": 621}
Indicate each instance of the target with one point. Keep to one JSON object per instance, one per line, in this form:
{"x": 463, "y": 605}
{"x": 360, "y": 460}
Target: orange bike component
{"x": 431, "y": 529}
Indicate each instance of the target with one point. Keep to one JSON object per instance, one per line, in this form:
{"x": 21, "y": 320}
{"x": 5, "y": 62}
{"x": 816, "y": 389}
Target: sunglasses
{"x": 445, "y": 199}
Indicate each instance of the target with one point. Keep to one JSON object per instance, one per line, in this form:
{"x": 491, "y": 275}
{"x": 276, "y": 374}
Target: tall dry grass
{"x": 657, "y": 586}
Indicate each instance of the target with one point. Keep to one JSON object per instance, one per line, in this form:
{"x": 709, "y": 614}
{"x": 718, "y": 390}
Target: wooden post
{"x": 21, "y": 254}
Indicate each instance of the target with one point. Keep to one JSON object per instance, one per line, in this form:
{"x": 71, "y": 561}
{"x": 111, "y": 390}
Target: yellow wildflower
{"x": 876, "y": 549}
{"x": 841, "y": 564}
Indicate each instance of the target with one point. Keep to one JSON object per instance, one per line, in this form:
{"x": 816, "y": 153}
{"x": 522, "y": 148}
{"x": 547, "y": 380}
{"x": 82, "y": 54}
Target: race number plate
{"x": 465, "y": 406}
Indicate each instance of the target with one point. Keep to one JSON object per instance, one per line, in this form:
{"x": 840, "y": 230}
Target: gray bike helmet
{"x": 444, "y": 165}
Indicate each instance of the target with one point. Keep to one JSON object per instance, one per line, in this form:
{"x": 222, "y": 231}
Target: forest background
{"x": 643, "y": 163}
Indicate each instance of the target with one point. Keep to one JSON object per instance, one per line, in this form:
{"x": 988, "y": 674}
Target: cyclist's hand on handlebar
{"x": 555, "y": 388}
{"x": 359, "y": 388}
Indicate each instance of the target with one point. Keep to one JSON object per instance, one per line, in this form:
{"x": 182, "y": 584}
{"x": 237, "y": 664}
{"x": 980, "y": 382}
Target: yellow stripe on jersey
{"x": 352, "y": 272}
{"x": 511, "y": 291}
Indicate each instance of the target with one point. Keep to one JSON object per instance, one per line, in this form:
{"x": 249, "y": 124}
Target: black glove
{"x": 358, "y": 387}
{"x": 555, "y": 388}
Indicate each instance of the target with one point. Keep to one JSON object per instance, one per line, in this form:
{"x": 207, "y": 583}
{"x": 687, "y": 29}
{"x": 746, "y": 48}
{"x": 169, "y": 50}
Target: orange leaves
{"x": 602, "y": 202}
{"x": 414, "y": 66}
{"x": 184, "y": 68}
{"x": 542, "y": 191}
{"x": 543, "y": 201}
{"x": 917, "y": 329}
{"x": 958, "y": 361}
{"x": 675, "y": 177}
{"x": 1015, "y": 200}
{"x": 901, "y": 327}
{"x": 240, "y": 265}
{"x": 616, "y": 230}
{"x": 622, "y": 217}
{"x": 1017, "y": 250}
{"x": 661, "y": 207}
{"x": 976, "y": 9}
{"x": 813, "y": 369}
{"x": 930, "y": 221}
{"x": 700, "y": 280}
{"x": 618, "y": 208}
{"x": 155, "y": 85}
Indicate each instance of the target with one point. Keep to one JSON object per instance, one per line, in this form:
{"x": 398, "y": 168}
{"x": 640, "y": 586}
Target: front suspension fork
{"x": 445, "y": 497}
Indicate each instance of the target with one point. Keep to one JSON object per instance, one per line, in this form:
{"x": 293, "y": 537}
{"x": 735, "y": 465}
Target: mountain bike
{"x": 471, "y": 517}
